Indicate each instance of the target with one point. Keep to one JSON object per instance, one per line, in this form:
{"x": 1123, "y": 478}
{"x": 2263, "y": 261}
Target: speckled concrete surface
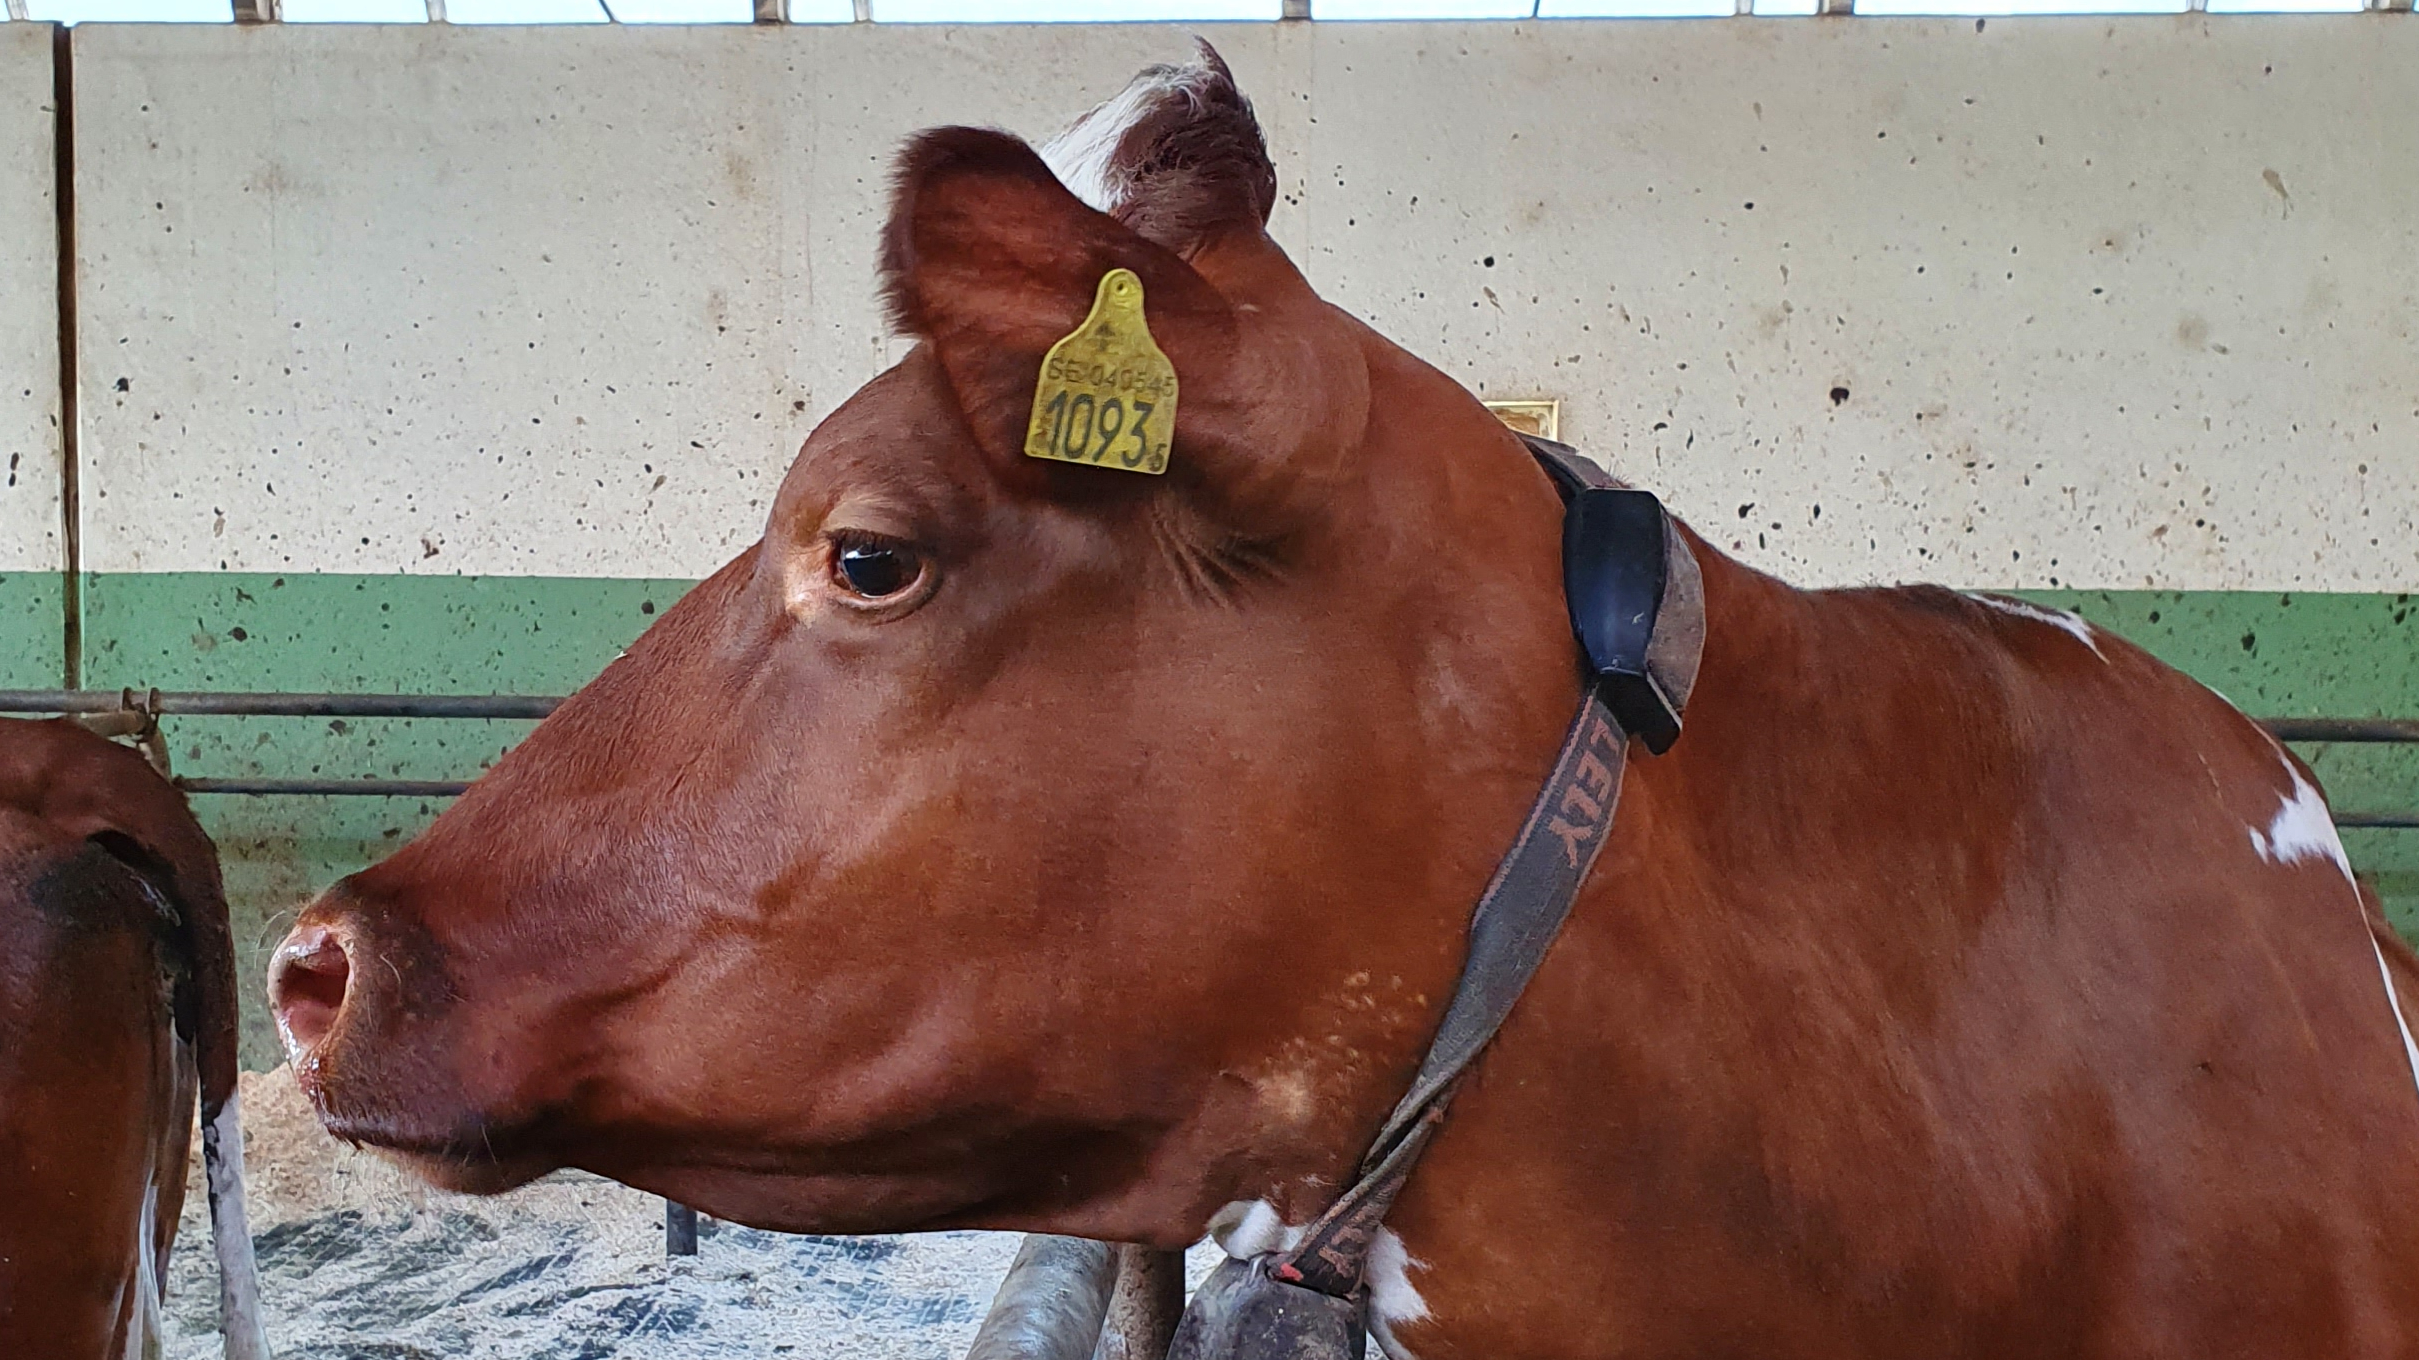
{"x": 29, "y": 313}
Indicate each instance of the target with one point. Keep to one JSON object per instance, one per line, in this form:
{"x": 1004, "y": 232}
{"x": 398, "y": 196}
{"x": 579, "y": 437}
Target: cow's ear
{"x": 992, "y": 260}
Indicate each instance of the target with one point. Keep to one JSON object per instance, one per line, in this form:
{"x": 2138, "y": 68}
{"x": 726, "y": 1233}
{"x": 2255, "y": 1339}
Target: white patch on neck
{"x": 231, "y": 1234}
{"x": 2303, "y": 829}
{"x": 1393, "y": 1299}
{"x": 1248, "y": 1228}
{"x": 1081, "y": 155}
{"x": 2070, "y": 624}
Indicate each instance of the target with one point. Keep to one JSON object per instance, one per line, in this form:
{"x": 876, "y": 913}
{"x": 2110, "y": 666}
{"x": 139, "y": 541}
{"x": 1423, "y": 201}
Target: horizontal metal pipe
{"x": 191, "y": 703}
{"x": 2389, "y": 730}
{"x": 454, "y": 788}
{"x": 2407, "y": 820}
{"x": 195, "y": 703}
{"x": 377, "y": 788}
{"x": 198, "y": 704}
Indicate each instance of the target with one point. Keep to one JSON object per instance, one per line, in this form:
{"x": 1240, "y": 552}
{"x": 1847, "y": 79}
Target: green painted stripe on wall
{"x": 33, "y": 652}
{"x": 2275, "y": 655}
{"x": 376, "y": 634}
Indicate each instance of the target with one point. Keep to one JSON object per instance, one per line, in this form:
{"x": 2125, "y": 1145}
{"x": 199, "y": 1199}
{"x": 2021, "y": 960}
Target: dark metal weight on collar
{"x": 1242, "y": 1312}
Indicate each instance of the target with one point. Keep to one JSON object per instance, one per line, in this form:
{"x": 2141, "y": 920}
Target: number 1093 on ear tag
{"x": 1107, "y": 396}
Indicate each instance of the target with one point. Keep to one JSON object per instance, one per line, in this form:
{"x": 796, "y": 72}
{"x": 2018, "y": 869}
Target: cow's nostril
{"x": 306, "y": 986}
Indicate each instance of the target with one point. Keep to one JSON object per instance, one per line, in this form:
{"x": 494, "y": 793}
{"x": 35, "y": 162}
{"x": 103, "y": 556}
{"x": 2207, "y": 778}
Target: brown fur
{"x": 1930, "y": 999}
{"x": 114, "y": 962}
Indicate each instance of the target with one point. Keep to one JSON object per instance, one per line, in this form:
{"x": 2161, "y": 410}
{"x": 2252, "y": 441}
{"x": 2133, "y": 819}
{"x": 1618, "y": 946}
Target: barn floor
{"x": 360, "y": 1263}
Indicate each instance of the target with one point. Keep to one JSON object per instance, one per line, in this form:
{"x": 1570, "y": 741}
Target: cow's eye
{"x": 874, "y": 570}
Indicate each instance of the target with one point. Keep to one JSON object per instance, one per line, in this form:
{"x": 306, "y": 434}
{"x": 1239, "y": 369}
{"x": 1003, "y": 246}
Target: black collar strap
{"x": 1637, "y": 609}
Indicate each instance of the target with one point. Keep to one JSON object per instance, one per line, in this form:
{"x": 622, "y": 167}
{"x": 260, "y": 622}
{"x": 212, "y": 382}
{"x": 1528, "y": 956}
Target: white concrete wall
{"x": 2112, "y": 302}
{"x": 30, "y": 522}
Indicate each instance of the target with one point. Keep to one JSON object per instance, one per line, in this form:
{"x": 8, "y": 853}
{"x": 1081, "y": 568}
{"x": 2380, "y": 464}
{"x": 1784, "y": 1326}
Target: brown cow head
{"x": 1000, "y": 841}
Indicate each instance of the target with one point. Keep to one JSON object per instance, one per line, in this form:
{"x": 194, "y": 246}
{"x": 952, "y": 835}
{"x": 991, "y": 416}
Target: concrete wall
{"x": 562, "y": 301}
{"x": 2112, "y": 302}
{"x": 31, "y": 554}
{"x": 442, "y": 358}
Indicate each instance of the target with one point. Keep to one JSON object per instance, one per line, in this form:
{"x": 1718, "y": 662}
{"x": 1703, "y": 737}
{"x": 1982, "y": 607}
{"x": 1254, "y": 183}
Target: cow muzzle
{"x": 309, "y": 978}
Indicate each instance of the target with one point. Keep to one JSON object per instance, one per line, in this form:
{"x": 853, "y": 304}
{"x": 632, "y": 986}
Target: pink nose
{"x": 306, "y": 986}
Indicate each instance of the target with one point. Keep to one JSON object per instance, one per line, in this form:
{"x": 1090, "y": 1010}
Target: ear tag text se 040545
{"x": 1107, "y": 396}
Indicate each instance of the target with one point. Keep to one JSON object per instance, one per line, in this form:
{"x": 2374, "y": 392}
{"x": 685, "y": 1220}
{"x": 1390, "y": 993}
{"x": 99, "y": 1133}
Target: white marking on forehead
{"x": 2303, "y": 829}
{"x": 2071, "y": 624}
{"x": 1080, "y": 156}
{"x": 1393, "y": 1299}
{"x": 1248, "y": 1228}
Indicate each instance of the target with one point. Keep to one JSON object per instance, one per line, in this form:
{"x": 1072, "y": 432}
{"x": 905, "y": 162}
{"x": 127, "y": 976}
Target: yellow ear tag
{"x": 1107, "y": 396}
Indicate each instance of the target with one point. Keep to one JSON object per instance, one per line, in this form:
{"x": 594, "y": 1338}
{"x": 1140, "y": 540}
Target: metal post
{"x": 772, "y": 12}
{"x": 1143, "y": 1310}
{"x": 436, "y": 11}
{"x": 1295, "y": 9}
{"x": 1841, "y": 7}
{"x": 680, "y": 1229}
{"x": 259, "y": 11}
{"x": 16, "y": 10}
{"x": 1052, "y": 1303}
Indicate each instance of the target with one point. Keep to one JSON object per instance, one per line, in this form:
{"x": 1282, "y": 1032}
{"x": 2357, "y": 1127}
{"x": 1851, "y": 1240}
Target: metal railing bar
{"x": 372, "y": 788}
{"x": 2376, "y": 821}
{"x": 264, "y": 704}
{"x": 2390, "y": 730}
{"x": 2390, "y": 820}
{"x": 238, "y": 704}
